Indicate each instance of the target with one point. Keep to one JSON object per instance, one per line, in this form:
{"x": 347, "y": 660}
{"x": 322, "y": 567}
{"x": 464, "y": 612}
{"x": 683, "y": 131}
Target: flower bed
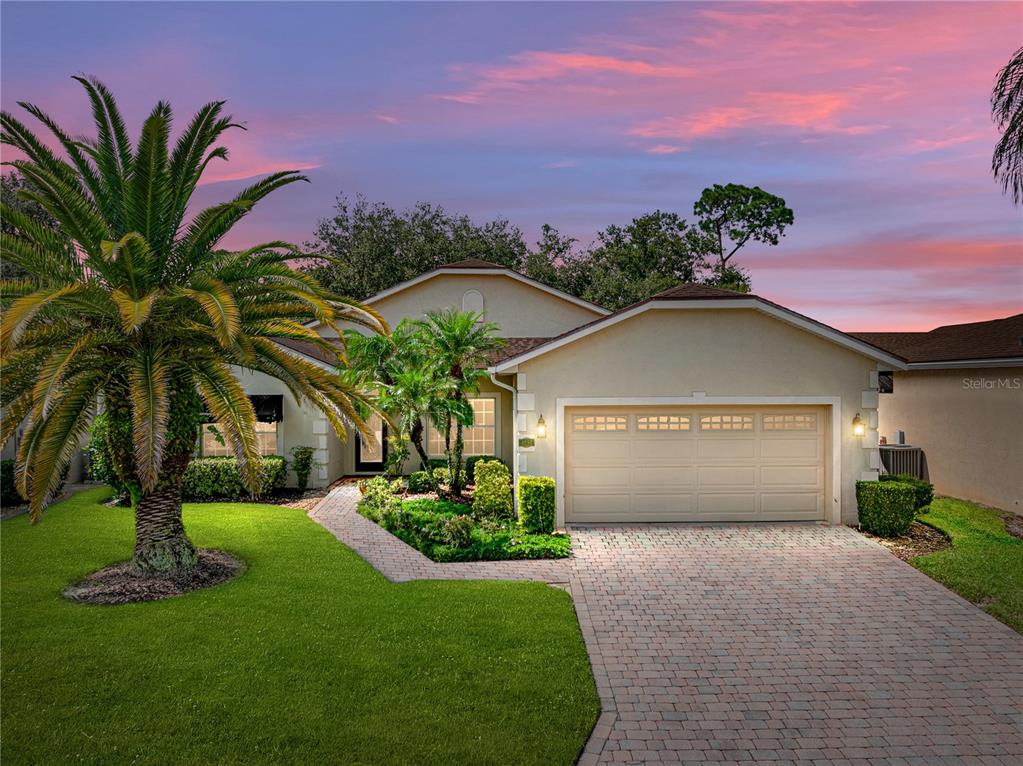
{"x": 444, "y": 530}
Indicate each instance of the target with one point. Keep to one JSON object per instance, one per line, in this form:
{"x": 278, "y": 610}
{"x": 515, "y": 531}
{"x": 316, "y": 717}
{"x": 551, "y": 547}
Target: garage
{"x": 681, "y": 463}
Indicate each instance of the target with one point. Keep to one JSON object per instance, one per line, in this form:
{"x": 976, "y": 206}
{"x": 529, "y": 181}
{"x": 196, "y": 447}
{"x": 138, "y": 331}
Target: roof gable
{"x": 706, "y": 297}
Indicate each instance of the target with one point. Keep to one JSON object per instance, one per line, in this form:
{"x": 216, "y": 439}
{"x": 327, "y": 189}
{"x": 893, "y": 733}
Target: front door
{"x": 371, "y": 457}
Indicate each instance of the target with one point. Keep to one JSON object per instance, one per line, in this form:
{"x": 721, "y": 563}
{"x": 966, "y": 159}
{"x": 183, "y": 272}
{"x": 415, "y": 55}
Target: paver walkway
{"x": 776, "y": 643}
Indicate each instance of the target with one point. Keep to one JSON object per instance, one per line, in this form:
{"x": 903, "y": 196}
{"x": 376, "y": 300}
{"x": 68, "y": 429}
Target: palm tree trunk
{"x": 456, "y": 473}
{"x": 161, "y": 546}
{"x": 416, "y": 437}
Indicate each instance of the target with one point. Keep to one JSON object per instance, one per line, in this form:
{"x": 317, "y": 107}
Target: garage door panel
{"x": 797, "y": 502}
{"x": 727, "y": 502}
{"x": 754, "y": 464}
{"x": 660, "y": 450}
{"x": 663, "y": 477}
{"x": 790, "y": 475}
{"x": 786, "y": 449}
{"x": 584, "y": 506}
{"x": 727, "y": 476}
{"x": 601, "y": 450}
{"x": 664, "y": 505}
{"x": 717, "y": 448}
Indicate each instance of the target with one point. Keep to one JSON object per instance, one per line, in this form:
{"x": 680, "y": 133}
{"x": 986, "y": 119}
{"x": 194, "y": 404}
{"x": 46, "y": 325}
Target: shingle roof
{"x": 309, "y": 349}
{"x": 697, "y": 292}
{"x": 473, "y": 263}
{"x": 516, "y": 346}
{"x": 993, "y": 339}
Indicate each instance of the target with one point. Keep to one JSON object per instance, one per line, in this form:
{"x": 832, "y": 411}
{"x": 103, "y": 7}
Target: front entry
{"x": 371, "y": 457}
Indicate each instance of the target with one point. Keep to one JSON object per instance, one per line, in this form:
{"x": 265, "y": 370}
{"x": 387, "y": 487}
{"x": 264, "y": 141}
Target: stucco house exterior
{"x": 697, "y": 404}
{"x": 960, "y": 399}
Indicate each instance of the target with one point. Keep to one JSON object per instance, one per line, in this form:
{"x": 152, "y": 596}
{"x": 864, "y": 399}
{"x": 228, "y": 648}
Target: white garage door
{"x": 695, "y": 464}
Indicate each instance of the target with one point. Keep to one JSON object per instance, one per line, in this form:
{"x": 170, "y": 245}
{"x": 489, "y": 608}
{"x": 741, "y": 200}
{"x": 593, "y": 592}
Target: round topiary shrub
{"x": 886, "y": 508}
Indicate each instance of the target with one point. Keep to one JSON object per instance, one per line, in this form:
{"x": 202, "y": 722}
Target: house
{"x": 696, "y": 404}
{"x": 960, "y": 399}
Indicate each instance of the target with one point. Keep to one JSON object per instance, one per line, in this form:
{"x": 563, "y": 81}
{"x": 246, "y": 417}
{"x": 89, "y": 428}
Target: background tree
{"x": 732, "y": 215}
{"x": 365, "y": 248}
{"x": 11, "y": 184}
{"x": 1007, "y": 112}
{"x": 461, "y": 343}
{"x": 147, "y": 314}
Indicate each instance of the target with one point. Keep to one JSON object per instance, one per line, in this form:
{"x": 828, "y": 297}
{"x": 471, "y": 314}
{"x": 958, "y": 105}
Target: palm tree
{"x": 1007, "y": 112}
{"x": 146, "y": 315}
{"x": 415, "y": 395}
{"x": 461, "y": 343}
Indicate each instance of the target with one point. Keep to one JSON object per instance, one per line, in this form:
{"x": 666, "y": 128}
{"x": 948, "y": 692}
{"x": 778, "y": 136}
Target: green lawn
{"x": 984, "y": 564}
{"x": 309, "y": 657}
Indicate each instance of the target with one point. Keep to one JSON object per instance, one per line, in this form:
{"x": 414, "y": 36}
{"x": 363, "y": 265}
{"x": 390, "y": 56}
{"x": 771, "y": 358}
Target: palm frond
{"x": 147, "y": 194}
{"x": 230, "y": 406}
{"x": 133, "y": 312}
{"x": 220, "y": 307}
{"x": 21, "y": 312}
{"x": 148, "y": 384}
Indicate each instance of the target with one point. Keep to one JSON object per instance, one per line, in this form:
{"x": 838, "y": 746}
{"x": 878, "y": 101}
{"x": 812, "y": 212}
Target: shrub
{"x": 923, "y": 491}
{"x": 302, "y": 463}
{"x": 536, "y": 504}
{"x": 441, "y": 476}
{"x": 101, "y": 464}
{"x": 458, "y": 531}
{"x": 8, "y": 492}
{"x": 470, "y": 464}
{"x": 493, "y": 494}
{"x": 420, "y": 483}
{"x": 218, "y": 478}
{"x": 379, "y": 496}
{"x": 886, "y": 508}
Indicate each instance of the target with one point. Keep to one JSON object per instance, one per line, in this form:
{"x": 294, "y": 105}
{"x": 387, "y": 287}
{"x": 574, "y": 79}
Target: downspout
{"x": 515, "y": 435}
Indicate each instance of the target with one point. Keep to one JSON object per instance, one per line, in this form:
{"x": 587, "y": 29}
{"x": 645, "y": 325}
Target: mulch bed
{"x": 920, "y": 540}
{"x": 1014, "y": 525}
{"x": 117, "y": 585}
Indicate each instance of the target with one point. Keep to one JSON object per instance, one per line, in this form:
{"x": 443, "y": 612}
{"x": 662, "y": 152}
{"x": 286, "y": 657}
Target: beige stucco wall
{"x": 970, "y": 426}
{"x": 302, "y": 425}
{"x": 674, "y": 353}
{"x": 520, "y": 310}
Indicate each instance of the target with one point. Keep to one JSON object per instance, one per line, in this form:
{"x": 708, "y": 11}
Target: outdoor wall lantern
{"x": 541, "y": 428}
{"x": 859, "y": 426}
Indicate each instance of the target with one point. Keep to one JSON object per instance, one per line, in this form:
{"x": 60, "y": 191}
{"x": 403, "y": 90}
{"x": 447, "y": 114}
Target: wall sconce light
{"x": 541, "y": 428}
{"x": 859, "y": 426}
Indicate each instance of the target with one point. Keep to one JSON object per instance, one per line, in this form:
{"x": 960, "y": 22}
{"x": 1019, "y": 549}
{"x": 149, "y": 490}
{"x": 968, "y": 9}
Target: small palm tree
{"x": 1007, "y": 112}
{"x": 461, "y": 343}
{"x": 147, "y": 316}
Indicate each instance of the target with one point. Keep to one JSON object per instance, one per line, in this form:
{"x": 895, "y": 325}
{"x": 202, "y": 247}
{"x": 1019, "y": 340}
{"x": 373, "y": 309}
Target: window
{"x": 600, "y": 423}
{"x": 479, "y": 438}
{"x": 790, "y": 422}
{"x": 726, "y": 422}
{"x": 886, "y": 382}
{"x": 210, "y": 446}
{"x": 472, "y": 300}
{"x": 662, "y": 422}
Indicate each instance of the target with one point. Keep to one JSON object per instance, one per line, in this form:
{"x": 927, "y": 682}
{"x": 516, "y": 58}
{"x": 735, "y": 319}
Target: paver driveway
{"x": 787, "y": 643}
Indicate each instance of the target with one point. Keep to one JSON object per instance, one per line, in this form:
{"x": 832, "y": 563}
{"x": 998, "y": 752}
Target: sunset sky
{"x": 872, "y": 120}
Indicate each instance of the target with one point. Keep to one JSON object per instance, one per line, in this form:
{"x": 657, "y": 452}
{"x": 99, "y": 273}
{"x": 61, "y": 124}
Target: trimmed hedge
{"x": 536, "y": 504}
{"x": 470, "y": 463}
{"x": 8, "y": 492}
{"x": 922, "y": 490}
{"x": 886, "y": 508}
{"x": 218, "y": 478}
{"x": 493, "y": 493}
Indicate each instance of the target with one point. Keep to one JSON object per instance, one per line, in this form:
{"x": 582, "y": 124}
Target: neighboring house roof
{"x": 950, "y": 345}
{"x": 478, "y": 266}
{"x": 692, "y": 296}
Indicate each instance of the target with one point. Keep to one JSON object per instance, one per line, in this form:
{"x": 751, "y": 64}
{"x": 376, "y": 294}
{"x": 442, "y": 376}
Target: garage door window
{"x": 600, "y": 423}
{"x": 790, "y": 422}
{"x": 726, "y": 422}
{"x": 662, "y": 422}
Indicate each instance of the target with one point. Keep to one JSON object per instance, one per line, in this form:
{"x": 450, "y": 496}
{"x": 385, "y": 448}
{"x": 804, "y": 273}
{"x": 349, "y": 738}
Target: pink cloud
{"x": 665, "y": 149}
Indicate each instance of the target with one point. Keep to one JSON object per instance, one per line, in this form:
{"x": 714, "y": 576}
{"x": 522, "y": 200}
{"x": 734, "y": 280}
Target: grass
{"x": 984, "y": 564}
{"x": 309, "y": 657}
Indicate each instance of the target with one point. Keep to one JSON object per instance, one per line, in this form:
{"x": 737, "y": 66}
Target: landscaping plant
{"x": 536, "y": 504}
{"x": 302, "y": 464}
{"x": 8, "y": 491}
{"x": 493, "y": 493}
{"x": 886, "y": 508}
{"x": 134, "y": 305}
{"x": 923, "y": 491}
{"x": 220, "y": 478}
